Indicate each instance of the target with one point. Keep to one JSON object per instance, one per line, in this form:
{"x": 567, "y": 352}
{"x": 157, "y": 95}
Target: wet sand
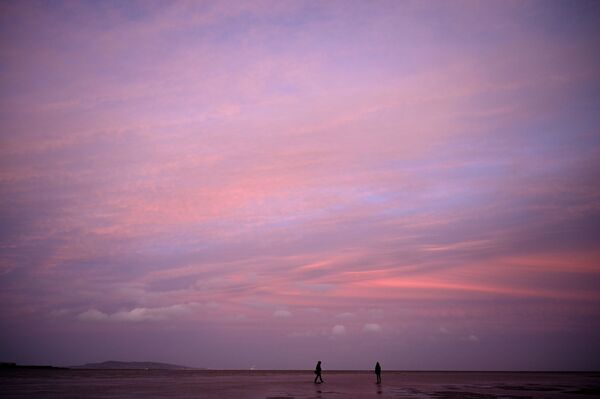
{"x": 294, "y": 384}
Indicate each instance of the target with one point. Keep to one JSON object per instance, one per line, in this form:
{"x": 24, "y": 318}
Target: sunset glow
{"x": 269, "y": 183}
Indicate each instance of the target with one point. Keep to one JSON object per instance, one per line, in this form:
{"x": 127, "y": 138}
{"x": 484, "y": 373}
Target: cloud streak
{"x": 139, "y": 314}
{"x": 397, "y": 167}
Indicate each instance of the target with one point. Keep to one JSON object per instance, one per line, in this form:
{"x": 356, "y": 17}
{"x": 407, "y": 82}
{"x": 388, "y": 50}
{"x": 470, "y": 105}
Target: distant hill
{"x": 7, "y": 365}
{"x": 114, "y": 365}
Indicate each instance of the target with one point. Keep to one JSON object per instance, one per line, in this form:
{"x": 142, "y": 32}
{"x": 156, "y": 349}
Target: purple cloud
{"x": 208, "y": 170}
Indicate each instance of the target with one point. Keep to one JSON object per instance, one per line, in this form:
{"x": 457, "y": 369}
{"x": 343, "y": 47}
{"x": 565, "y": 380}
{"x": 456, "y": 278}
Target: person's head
{"x": 319, "y": 362}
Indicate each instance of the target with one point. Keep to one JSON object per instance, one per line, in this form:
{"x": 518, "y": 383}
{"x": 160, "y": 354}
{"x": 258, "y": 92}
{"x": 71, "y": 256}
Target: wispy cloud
{"x": 338, "y": 329}
{"x": 405, "y": 166}
{"x": 139, "y": 314}
{"x": 282, "y": 313}
{"x": 372, "y": 328}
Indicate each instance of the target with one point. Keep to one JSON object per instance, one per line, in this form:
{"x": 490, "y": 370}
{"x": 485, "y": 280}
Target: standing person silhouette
{"x": 378, "y": 372}
{"x": 318, "y": 372}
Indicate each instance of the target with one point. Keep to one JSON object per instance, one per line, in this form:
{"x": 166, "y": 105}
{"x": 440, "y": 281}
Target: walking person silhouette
{"x": 318, "y": 372}
{"x": 378, "y": 372}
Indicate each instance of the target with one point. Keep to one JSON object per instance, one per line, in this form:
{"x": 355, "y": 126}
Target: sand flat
{"x": 293, "y": 384}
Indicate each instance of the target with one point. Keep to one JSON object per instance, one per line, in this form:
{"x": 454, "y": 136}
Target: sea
{"x": 254, "y": 384}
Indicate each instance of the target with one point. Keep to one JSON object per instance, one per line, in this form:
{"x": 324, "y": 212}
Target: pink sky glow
{"x": 271, "y": 183}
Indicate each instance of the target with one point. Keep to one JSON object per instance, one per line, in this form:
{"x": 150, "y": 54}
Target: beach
{"x": 108, "y": 384}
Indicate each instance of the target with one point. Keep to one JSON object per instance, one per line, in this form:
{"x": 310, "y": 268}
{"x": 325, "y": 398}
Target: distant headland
{"x": 116, "y": 365}
{"x": 8, "y": 365}
{"x": 108, "y": 365}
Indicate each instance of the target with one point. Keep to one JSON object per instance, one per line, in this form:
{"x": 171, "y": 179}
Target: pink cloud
{"x": 396, "y": 166}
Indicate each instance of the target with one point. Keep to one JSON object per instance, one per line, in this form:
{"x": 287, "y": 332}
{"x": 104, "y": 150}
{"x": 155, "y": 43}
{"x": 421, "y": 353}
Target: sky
{"x": 271, "y": 183}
